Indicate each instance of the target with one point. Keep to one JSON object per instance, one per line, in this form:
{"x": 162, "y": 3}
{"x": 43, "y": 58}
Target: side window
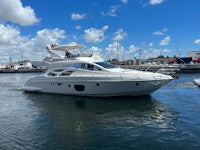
{"x": 97, "y": 68}
{"x": 52, "y": 74}
{"x": 83, "y": 66}
{"x": 66, "y": 73}
{"x": 77, "y": 65}
{"x": 90, "y": 67}
{"x": 74, "y": 65}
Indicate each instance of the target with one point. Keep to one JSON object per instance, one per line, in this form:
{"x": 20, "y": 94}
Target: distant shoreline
{"x": 33, "y": 70}
{"x": 179, "y": 68}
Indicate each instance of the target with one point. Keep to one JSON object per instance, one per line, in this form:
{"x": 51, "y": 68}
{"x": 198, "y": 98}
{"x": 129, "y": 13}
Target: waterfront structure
{"x": 193, "y": 54}
{"x": 25, "y": 64}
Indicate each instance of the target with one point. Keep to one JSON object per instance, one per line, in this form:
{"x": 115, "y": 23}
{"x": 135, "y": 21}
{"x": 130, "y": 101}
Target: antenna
{"x": 117, "y": 52}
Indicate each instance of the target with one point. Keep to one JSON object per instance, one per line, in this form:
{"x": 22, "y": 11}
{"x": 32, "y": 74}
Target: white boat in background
{"x": 84, "y": 75}
{"x": 197, "y": 82}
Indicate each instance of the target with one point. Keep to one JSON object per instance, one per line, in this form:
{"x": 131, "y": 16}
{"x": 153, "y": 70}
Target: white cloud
{"x": 160, "y": 32}
{"x": 166, "y": 50}
{"x": 47, "y": 36}
{"x": 76, "y": 16}
{"x": 153, "y": 52}
{"x": 78, "y": 27}
{"x": 95, "y": 35}
{"x": 124, "y": 1}
{"x": 94, "y": 50}
{"x": 112, "y": 11}
{"x": 119, "y": 35}
{"x": 151, "y": 44}
{"x": 13, "y": 11}
{"x": 133, "y": 49}
{"x": 157, "y": 33}
{"x": 165, "y": 41}
{"x": 156, "y": 2}
{"x": 11, "y": 43}
{"x": 14, "y": 44}
{"x": 197, "y": 41}
{"x": 114, "y": 50}
{"x": 10, "y": 35}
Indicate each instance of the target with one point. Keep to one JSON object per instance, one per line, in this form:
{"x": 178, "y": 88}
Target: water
{"x": 168, "y": 119}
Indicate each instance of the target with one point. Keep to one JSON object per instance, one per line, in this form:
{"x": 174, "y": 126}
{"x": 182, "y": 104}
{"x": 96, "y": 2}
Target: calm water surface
{"x": 168, "y": 119}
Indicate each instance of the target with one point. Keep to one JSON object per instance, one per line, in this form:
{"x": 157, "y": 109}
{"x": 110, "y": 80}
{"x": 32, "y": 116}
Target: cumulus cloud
{"x": 124, "y": 1}
{"x": 10, "y": 35}
{"x": 133, "y": 49}
{"x": 156, "y": 2}
{"x": 13, "y": 11}
{"x": 160, "y": 32}
{"x": 94, "y": 35}
{"x": 151, "y": 44}
{"x": 78, "y": 27}
{"x": 157, "y": 33}
{"x": 47, "y": 36}
{"x": 166, "y": 50}
{"x": 14, "y": 44}
{"x": 153, "y": 2}
{"x": 10, "y": 39}
{"x": 76, "y": 16}
{"x": 197, "y": 41}
{"x": 114, "y": 50}
{"x": 94, "y": 50}
{"x": 154, "y": 52}
{"x": 119, "y": 35}
{"x": 165, "y": 41}
{"x": 118, "y": 51}
{"x": 112, "y": 11}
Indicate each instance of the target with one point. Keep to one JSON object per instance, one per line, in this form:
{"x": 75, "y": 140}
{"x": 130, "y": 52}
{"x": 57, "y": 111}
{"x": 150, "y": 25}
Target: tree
{"x": 161, "y": 56}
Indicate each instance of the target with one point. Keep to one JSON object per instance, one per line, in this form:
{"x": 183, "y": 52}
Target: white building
{"x": 22, "y": 65}
{"x": 193, "y": 54}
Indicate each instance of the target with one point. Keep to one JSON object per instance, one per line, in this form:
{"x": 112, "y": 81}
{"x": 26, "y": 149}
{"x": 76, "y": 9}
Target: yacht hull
{"x": 95, "y": 88}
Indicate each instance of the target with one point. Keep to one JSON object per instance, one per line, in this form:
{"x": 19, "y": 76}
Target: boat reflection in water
{"x": 86, "y": 122}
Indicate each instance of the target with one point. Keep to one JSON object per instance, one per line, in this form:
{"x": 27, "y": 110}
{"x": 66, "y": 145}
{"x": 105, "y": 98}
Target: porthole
{"x": 97, "y": 84}
{"x": 137, "y": 84}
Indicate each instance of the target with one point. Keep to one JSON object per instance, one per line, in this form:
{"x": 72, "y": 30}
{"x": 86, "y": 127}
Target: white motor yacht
{"x": 90, "y": 76}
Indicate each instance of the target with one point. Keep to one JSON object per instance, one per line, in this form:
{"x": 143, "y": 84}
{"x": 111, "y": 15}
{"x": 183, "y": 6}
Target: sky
{"x": 123, "y": 29}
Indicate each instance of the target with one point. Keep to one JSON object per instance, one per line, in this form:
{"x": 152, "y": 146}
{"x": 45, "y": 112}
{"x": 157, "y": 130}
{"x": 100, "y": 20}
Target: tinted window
{"x": 106, "y": 65}
{"x": 78, "y": 65}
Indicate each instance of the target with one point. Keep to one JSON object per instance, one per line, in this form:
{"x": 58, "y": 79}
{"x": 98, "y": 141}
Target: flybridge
{"x": 68, "y": 47}
{"x": 64, "y": 47}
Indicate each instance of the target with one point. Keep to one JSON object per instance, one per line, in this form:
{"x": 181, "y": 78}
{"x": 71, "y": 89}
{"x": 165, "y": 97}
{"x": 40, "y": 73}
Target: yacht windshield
{"x": 106, "y": 65}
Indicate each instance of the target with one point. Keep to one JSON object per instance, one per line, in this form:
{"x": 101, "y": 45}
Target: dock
{"x": 32, "y": 70}
{"x": 178, "y": 68}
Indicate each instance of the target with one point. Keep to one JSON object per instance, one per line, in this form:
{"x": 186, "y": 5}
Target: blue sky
{"x": 145, "y": 28}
